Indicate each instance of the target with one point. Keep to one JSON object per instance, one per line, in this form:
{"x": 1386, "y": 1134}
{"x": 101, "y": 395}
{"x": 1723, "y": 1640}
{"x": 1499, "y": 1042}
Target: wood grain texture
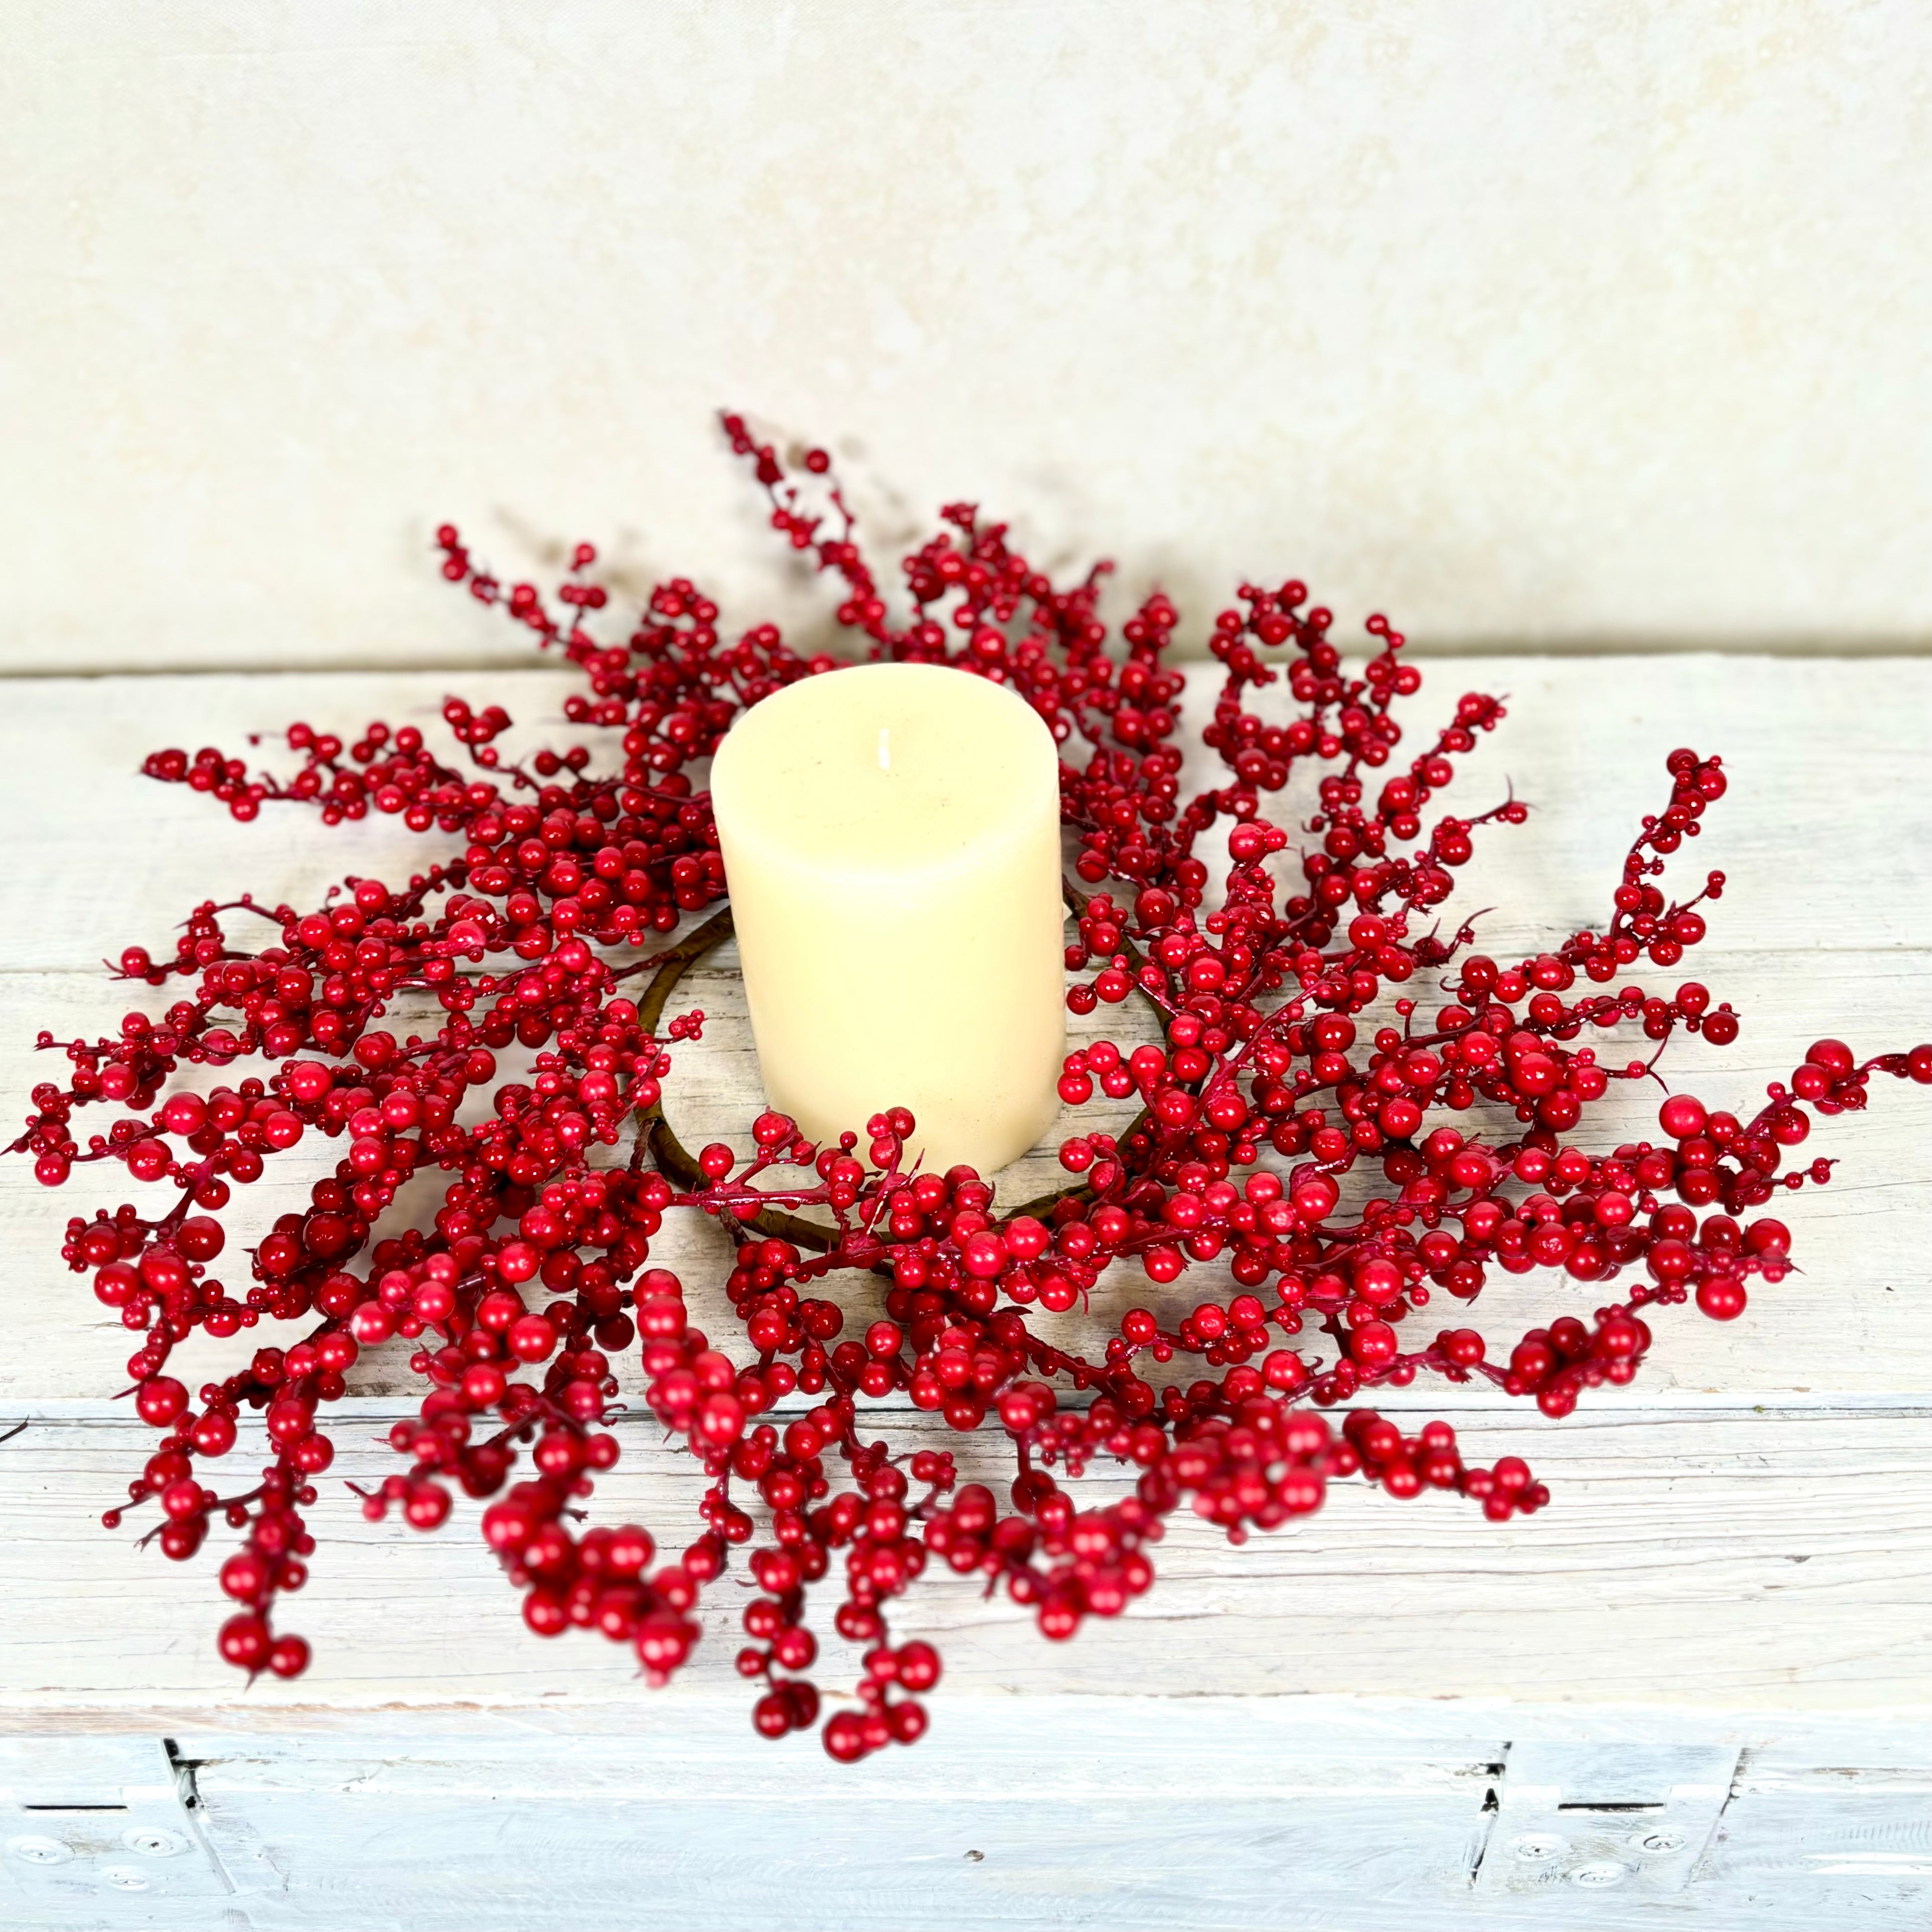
{"x": 1205, "y": 1816}
{"x": 1825, "y": 836}
{"x": 1827, "y": 922}
{"x": 1737, "y": 1557}
{"x": 1302, "y": 1732}
{"x": 1852, "y": 1319}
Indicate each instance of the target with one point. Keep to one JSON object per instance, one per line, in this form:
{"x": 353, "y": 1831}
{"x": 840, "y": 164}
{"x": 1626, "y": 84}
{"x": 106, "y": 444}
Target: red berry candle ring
{"x": 1320, "y": 1043}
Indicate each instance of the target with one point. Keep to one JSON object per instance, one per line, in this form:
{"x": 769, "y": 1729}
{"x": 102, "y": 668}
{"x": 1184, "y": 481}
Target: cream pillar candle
{"x": 891, "y": 838}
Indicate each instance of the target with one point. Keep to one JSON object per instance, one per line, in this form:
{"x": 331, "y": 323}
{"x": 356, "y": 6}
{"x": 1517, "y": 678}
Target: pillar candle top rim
{"x": 845, "y": 773}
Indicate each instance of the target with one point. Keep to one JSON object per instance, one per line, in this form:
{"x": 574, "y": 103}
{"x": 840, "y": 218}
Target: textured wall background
{"x": 1607, "y": 320}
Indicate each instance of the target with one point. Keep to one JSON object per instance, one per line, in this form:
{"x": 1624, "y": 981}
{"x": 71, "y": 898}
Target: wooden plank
{"x": 1851, "y": 1321}
{"x": 1824, "y": 756}
{"x": 1113, "y": 1853}
{"x": 1825, "y": 834}
{"x": 1705, "y": 1557}
{"x": 1150, "y": 1824}
{"x": 1204, "y": 1815}
{"x": 1858, "y": 1833}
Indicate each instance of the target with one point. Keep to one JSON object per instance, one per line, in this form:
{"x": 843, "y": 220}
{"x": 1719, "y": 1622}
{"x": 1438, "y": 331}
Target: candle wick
{"x": 885, "y": 748}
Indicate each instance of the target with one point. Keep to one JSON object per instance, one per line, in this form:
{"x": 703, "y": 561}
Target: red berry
{"x": 1721, "y": 1298}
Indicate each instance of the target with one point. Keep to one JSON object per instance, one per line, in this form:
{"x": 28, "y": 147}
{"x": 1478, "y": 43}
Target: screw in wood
{"x": 153, "y": 1841}
{"x": 1603, "y": 1873}
{"x": 1658, "y": 1843}
{"x": 40, "y": 1851}
{"x": 1540, "y": 1847}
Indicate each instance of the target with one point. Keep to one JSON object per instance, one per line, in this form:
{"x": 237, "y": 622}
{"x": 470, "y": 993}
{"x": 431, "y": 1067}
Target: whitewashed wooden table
{"x": 1696, "y": 1687}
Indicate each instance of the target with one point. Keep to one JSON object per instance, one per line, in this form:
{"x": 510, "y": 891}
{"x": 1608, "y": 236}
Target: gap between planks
{"x": 1610, "y": 1407}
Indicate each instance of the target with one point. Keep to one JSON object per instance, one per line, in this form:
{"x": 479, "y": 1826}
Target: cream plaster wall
{"x": 1559, "y": 323}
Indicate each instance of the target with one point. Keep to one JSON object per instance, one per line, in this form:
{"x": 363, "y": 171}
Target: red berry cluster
{"x": 1269, "y": 1100}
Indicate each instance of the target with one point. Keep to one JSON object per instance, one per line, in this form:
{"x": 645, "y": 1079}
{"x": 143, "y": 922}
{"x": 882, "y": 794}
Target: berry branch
{"x": 558, "y": 881}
